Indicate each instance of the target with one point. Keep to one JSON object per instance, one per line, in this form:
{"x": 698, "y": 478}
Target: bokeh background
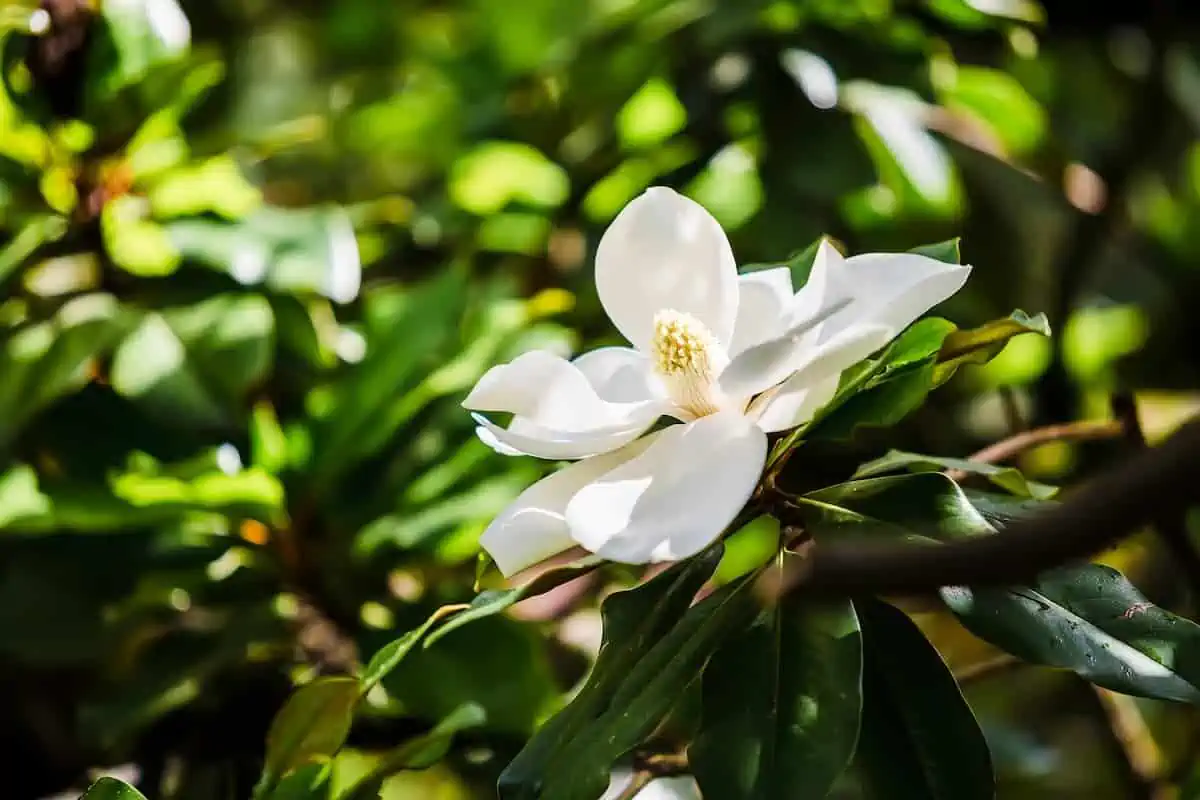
{"x": 240, "y": 305}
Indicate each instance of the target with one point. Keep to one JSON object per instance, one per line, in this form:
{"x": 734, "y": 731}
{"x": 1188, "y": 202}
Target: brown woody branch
{"x": 1153, "y": 482}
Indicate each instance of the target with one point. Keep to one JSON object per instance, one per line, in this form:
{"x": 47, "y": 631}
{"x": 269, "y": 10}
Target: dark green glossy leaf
{"x": 1091, "y": 620}
{"x": 111, "y": 789}
{"x": 648, "y": 692}
{"x": 496, "y": 601}
{"x": 312, "y": 724}
{"x": 926, "y": 505}
{"x": 309, "y": 782}
{"x": 919, "y": 739}
{"x": 634, "y": 621}
{"x": 1008, "y": 478}
{"x": 419, "y": 753}
{"x": 781, "y": 705}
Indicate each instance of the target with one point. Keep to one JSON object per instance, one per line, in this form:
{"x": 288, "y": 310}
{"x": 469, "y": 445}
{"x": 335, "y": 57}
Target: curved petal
{"x": 525, "y": 438}
{"x": 888, "y": 289}
{"x": 664, "y": 251}
{"x": 619, "y": 374}
{"x": 675, "y": 498}
{"x": 793, "y": 403}
{"x": 763, "y": 300}
{"x": 533, "y": 527}
{"x": 771, "y": 362}
{"x": 558, "y": 411}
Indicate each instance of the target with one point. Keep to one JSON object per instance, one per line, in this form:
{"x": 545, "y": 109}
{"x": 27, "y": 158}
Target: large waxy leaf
{"x": 781, "y": 705}
{"x": 1091, "y": 620}
{"x": 111, "y": 789}
{"x": 634, "y": 622}
{"x": 312, "y": 724}
{"x": 919, "y": 740}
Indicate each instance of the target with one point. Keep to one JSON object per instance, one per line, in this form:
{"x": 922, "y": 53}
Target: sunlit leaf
{"x": 1008, "y": 478}
{"x": 112, "y": 789}
{"x": 312, "y": 724}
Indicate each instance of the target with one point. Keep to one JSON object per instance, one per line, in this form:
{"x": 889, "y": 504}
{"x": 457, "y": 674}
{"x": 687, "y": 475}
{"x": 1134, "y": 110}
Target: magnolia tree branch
{"x": 1156, "y": 481}
{"x": 1170, "y": 526}
{"x": 1010, "y": 448}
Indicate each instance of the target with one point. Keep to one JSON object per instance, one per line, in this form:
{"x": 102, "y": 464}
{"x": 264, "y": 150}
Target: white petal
{"x": 889, "y": 289}
{"x": 558, "y": 412}
{"x": 674, "y": 499}
{"x": 764, "y": 298}
{"x": 619, "y": 374}
{"x": 533, "y": 528}
{"x": 766, "y": 364}
{"x": 526, "y": 438}
{"x": 792, "y": 404}
{"x": 665, "y": 251}
{"x": 894, "y": 289}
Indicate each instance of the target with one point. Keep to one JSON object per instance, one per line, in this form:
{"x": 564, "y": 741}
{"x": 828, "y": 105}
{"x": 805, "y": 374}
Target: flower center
{"x": 688, "y": 358}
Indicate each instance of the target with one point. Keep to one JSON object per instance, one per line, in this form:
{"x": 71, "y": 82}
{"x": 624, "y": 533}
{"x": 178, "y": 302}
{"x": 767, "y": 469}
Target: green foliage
{"x": 253, "y": 255}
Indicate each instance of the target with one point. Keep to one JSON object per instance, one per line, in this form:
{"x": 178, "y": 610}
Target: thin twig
{"x": 1170, "y": 527}
{"x": 1158, "y": 480}
{"x": 1010, "y": 448}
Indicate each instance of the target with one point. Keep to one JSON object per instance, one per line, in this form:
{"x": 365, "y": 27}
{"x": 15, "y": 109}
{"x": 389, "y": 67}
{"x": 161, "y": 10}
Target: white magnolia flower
{"x": 732, "y": 357}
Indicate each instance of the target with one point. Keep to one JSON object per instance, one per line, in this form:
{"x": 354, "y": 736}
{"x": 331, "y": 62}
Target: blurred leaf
{"x": 1008, "y": 478}
{"x": 495, "y": 174}
{"x": 919, "y": 738}
{"x": 647, "y": 693}
{"x": 652, "y": 115}
{"x": 312, "y": 724}
{"x": 111, "y": 789}
{"x": 197, "y": 362}
{"x": 32, "y": 235}
{"x": 45, "y": 360}
{"x": 781, "y": 705}
{"x": 310, "y": 782}
{"x": 370, "y": 401}
{"x": 1091, "y": 620}
{"x": 288, "y": 250}
{"x": 136, "y": 245}
{"x": 419, "y": 753}
{"x": 216, "y": 185}
{"x": 635, "y": 621}
{"x": 496, "y": 601}
{"x": 999, "y": 100}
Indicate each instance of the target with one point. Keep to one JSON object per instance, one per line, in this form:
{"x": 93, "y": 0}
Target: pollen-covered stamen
{"x": 689, "y": 359}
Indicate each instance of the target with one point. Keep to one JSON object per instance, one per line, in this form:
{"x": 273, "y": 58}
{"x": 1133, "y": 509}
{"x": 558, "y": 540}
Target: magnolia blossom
{"x": 731, "y": 357}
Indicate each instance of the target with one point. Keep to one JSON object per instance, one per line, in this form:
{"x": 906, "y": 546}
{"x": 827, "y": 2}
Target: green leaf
{"x": 46, "y": 360}
{"x": 198, "y": 362}
{"x": 496, "y": 601}
{"x": 653, "y": 685}
{"x": 111, "y": 789}
{"x": 301, "y": 251}
{"x": 312, "y": 725}
{"x": 634, "y": 621}
{"x": 979, "y": 345}
{"x": 388, "y": 657}
{"x": 781, "y": 705}
{"x": 925, "y": 505}
{"x": 1091, "y": 620}
{"x": 878, "y": 406}
{"x": 33, "y": 234}
{"x": 419, "y": 753}
{"x": 919, "y": 739}
{"x": 1008, "y": 478}
{"x": 947, "y": 251}
{"x": 365, "y": 411}
{"x": 310, "y": 782}
{"x": 135, "y": 244}
{"x": 215, "y": 185}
